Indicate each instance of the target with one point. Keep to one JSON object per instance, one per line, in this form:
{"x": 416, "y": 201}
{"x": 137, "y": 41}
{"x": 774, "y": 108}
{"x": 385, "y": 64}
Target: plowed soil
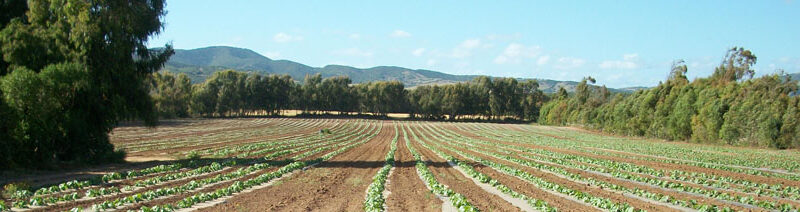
{"x": 461, "y": 184}
{"x": 408, "y": 192}
{"x": 335, "y": 185}
{"x": 340, "y": 184}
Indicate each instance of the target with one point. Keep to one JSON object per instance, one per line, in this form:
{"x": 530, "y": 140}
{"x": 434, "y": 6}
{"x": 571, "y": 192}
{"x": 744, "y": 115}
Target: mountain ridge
{"x": 200, "y": 63}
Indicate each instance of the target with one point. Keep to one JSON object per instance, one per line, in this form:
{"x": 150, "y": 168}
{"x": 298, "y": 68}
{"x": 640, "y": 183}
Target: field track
{"x": 290, "y": 164}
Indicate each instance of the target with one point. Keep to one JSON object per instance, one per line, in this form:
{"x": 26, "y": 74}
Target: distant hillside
{"x": 795, "y": 76}
{"x": 201, "y": 63}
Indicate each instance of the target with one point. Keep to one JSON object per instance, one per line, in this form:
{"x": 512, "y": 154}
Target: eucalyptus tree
{"x": 91, "y": 59}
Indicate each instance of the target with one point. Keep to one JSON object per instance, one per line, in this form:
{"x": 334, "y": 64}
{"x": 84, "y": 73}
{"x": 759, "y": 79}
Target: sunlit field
{"x": 355, "y": 164}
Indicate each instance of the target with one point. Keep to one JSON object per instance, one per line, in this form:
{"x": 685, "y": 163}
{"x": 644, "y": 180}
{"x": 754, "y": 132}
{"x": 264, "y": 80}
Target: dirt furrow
{"x": 459, "y": 183}
{"x": 407, "y": 191}
{"x": 334, "y": 185}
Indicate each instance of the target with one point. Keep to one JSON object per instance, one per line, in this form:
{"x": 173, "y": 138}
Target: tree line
{"x": 728, "y": 107}
{"x": 70, "y": 72}
{"x": 233, "y": 93}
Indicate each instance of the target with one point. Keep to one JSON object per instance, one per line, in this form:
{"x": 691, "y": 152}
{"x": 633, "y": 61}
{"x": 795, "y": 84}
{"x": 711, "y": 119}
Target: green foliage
{"x": 722, "y": 109}
{"x": 17, "y": 190}
{"x": 497, "y": 99}
{"x": 232, "y": 93}
{"x": 193, "y": 155}
{"x": 171, "y": 94}
{"x": 70, "y": 72}
{"x": 381, "y": 98}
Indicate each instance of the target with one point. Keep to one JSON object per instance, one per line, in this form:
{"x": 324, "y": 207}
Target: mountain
{"x": 795, "y": 76}
{"x": 201, "y": 63}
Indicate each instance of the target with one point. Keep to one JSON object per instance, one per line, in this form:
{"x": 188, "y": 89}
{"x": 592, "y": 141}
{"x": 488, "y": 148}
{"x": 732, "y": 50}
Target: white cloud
{"x": 515, "y": 52}
{"x": 355, "y": 36}
{"x": 354, "y": 52}
{"x": 629, "y": 61}
{"x": 471, "y": 43}
{"x": 543, "y": 60}
{"x": 418, "y": 52}
{"x": 569, "y": 63}
{"x": 465, "y": 48}
{"x": 400, "y": 34}
{"x": 501, "y": 59}
{"x": 431, "y": 62}
{"x": 283, "y": 38}
{"x": 272, "y": 55}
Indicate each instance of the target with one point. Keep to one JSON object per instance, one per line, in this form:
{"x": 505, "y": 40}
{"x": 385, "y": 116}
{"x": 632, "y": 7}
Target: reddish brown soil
{"x": 408, "y": 192}
{"x": 178, "y": 135}
{"x": 525, "y": 188}
{"x": 459, "y": 183}
{"x": 340, "y": 184}
{"x": 605, "y": 193}
{"x": 652, "y": 164}
{"x": 174, "y": 198}
{"x": 335, "y": 185}
{"x": 242, "y": 141}
{"x": 695, "y": 185}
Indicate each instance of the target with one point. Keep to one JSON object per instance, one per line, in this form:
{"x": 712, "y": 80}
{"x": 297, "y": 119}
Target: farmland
{"x": 293, "y": 164}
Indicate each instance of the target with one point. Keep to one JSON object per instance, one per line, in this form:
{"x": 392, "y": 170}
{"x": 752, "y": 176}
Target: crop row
{"x": 541, "y": 183}
{"x": 228, "y": 150}
{"x": 456, "y": 199}
{"x": 537, "y": 204}
{"x": 785, "y": 190}
{"x": 177, "y": 139}
{"x": 552, "y": 168}
{"x": 240, "y": 186}
{"x": 665, "y": 152}
{"x": 194, "y": 185}
{"x": 244, "y": 149}
{"x": 375, "y": 200}
{"x": 754, "y": 158}
{"x": 212, "y": 138}
{"x": 624, "y": 170}
{"x": 160, "y": 179}
{"x": 112, "y": 177}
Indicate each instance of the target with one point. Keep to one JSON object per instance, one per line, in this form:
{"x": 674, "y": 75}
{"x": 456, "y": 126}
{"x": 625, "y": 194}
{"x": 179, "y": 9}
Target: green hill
{"x": 201, "y": 63}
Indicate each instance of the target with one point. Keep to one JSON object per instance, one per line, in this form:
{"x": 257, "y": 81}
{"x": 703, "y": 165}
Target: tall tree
{"x": 171, "y": 94}
{"x": 736, "y": 65}
{"x": 93, "y": 56}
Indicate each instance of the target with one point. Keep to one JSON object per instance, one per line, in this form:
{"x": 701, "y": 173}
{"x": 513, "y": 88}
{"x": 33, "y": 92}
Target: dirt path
{"x": 459, "y": 183}
{"x": 335, "y": 185}
{"x": 407, "y": 191}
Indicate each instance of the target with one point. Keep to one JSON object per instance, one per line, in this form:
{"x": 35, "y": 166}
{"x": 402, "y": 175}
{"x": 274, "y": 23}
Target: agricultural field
{"x": 294, "y": 164}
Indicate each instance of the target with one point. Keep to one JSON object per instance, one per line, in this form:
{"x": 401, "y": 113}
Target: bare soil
{"x": 459, "y": 183}
{"x": 408, "y": 192}
{"x": 334, "y": 185}
{"x": 600, "y": 191}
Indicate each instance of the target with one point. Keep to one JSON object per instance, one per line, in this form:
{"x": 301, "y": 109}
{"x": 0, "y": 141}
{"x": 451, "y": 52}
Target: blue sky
{"x": 620, "y": 43}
